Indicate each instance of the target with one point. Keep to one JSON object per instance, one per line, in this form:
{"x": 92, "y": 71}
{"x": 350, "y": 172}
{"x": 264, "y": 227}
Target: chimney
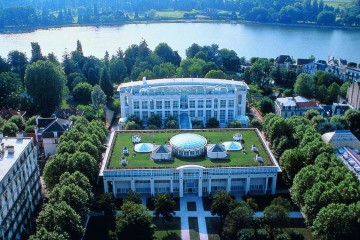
{"x": 19, "y": 136}
{"x": 144, "y": 80}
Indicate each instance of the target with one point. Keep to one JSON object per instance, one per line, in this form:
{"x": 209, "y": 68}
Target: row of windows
{"x": 192, "y": 104}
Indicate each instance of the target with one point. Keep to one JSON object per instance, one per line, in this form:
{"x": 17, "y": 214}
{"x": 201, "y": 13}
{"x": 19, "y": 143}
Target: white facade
{"x": 20, "y": 189}
{"x": 199, "y": 98}
{"x": 50, "y": 145}
{"x": 190, "y": 179}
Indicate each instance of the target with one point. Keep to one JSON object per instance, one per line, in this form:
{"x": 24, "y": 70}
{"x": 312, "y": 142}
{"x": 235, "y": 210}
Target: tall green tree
{"x": 134, "y": 222}
{"x": 10, "y": 87}
{"x": 43, "y": 234}
{"x": 238, "y": 218}
{"x": 45, "y": 83}
{"x": 18, "y": 62}
{"x": 105, "y": 84}
{"x": 60, "y": 216}
{"x": 304, "y": 85}
{"x": 36, "y": 54}
{"x": 98, "y": 98}
{"x": 222, "y": 204}
{"x": 164, "y": 206}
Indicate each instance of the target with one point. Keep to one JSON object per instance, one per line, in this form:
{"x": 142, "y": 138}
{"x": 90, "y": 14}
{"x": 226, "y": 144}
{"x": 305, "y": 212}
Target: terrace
{"x": 143, "y": 160}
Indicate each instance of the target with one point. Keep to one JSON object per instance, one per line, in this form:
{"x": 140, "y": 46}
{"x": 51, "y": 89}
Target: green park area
{"x": 143, "y": 160}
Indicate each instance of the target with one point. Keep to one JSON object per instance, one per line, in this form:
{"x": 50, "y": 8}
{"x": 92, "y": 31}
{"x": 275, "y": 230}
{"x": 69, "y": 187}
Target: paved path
{"x": 201, "y": 215}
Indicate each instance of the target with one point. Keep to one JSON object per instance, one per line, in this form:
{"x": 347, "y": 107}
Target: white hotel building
{"x": 190, "y": 179}
{"x": 186, "y": 98}
{"x": 20, "y": 189}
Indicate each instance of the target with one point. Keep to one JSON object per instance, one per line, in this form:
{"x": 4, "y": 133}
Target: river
{"x": 247, "y": 40}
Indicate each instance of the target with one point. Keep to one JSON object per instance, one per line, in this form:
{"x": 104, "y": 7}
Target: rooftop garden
{"x": 143, "y": 160}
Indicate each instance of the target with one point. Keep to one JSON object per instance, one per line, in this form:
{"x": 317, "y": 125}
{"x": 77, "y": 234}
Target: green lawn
{"x": 170, "y": 14}
{"x": 169, "y": 230}
{"x": 194, "y": 228}
{"x": 237, "y": 158}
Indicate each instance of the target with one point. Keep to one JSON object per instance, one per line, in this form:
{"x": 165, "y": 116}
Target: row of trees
{"x": 17, "y": 124}
{"x": 238, "y": 221}
{"x": 69, "y": 178}
{"x": 314, "y": 172}
{"x": 93, "y": 12}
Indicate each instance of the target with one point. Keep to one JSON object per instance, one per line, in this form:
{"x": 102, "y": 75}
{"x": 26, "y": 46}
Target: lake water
{"x": 247, "y": 40}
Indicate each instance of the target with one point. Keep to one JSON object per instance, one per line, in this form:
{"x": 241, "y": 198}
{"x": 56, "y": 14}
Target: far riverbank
{"x": 27, "y": 29}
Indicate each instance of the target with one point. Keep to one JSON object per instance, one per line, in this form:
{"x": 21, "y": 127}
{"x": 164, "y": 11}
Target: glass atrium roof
{"x": 188, "y": 141}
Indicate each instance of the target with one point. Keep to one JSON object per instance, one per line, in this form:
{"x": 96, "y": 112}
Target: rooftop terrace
{"x": 236, "y": 158}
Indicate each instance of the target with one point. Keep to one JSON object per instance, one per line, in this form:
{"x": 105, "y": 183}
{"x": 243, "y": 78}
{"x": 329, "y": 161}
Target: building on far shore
{"x": 20, "y": 189}
{"x": 294, "y": 106}
{"x": 186, "y": 98}
{"x": 249, "y": 169}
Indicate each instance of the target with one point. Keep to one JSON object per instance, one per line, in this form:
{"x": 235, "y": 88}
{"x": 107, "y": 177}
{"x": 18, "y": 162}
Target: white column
{"x": 181, "y": 187}
{"x": 106, "y": 187}
{"x": 266, "y": 184}
{"x": 133, "y": 185}
{"x": 228, "y": 186}
{"x": 273, "y": 185}
{"x": 171, "y": 186}
{"x": 209, "y": 185}
{"x": 247, "y": 186}
{"x": 200, "y": 187}
{"x": 114, "y": 188}
{"x": 152, "y": 186}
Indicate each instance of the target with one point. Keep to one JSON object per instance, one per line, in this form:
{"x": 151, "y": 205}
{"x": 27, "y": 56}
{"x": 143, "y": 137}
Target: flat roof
{"x": 182, "y": 81}
{"x": 8, "y": 159}
{"x": 121, "y": 139}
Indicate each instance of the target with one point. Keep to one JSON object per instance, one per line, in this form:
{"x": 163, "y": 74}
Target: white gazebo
{"x": 232, "y": 146}
{"x": 162, "y": 152}
{"x": 216, "y": 151}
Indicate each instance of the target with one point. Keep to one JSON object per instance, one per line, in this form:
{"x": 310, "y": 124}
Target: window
{"x": 158, "y": 104}
{"x": 192, "y": 103}
{"x": 192, "y": 113}
{"x": 231, "y": 103}
{"x": 175, "y": 113}
{"x": 136, "y": 105}
{"x": 176, "y": 104}
{"x": 201, "y": 104}
{"x": 208, "y": 104}
{"x": 215, "y": 114}
{"x": 200, "y": 113}
{"x": 144, "y": 105}
{"x": 223, "y": 103}
{"x": 230, "y": 115}
{"x": 215, "y": 103}
{"x": 167, "y": 114}
{"x": 55, "y": 140}
{"x": 239, "y": 99}
{"x": 159, "y": 113}
{"x": 208, "y": 114}
{"x": 137, "y": 113}
{"x": 222, "y": 116}
{"x": 167, "y": 104}
{"x": 145, "y": 115}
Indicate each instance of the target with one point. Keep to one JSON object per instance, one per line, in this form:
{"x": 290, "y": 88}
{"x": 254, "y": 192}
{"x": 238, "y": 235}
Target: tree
{"x": 218, "y": 74}
{"x": 78, "y": 179}
{"x": 238, "y": 218}
{"x": 326, "y": 18}
{"x": 10, "y": 87}
{"x": 19, "y": 121}
{"x": 337, "y": 221}
{"x": 43, "y": 234}
{"x": 45, "y": 82}
{"x": 333, "y": 93}
{"x": 304, "y": 85}
{"x": 132, "y": 126}
{"x": 134, "y": 197}
{"x": 4, "y": 66}
{"x": 84, "y": 163}
{"x": 134, "y": 222}
{"x": 191, "y": 68}
{"x": 222, "y": 204}
{"x": 155, "y": 120}
{"x": 276, "y": 216}
{"x": 212, "y": 123}
{"x": 18, "y": 62}
{"x": 98, "y": 97}
{"x": 259, "y": 72}
{"x": 36, "y": 54}
{"x": 105, "y": 202}
{"x": 266, "y": 105}
{"x": 165, "y": 52}
{"x": 88, "y": 147}
{"x": 292, "y": 161}
{"x": 54, "y": 168}
{"x": 73, "y": 195}
{"x": 234, "y": 124}
{"x": 9, "y": 129}
{"x": 106, "y": 85}
{"x": 164, "y": 206}
{"x": 353, "y": 118}
{"x": 60, "y": 216}
{"x": 192, "y": 50}
{"x": 118, "y": 70}
{"x": 82, "y": 92}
